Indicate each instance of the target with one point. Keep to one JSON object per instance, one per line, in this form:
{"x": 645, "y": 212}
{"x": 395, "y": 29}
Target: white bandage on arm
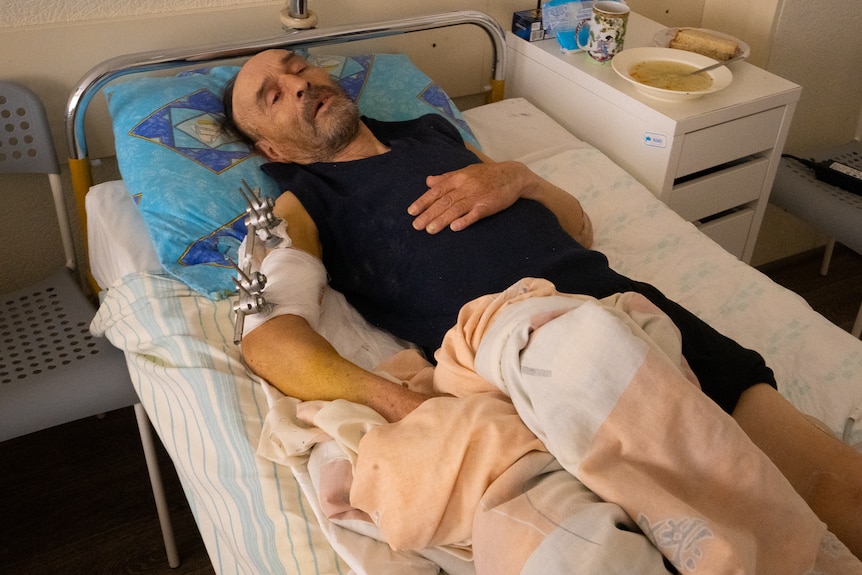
{"x": 294, "y": 285}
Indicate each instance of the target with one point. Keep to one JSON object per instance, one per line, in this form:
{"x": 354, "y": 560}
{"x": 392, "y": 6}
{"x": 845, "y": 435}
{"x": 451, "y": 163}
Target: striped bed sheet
{"x": 208, "y": 410}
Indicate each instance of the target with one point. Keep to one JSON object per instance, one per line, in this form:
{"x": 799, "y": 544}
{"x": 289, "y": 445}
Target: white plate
{"x": 622, "y": 63}
{"x": 662, "y": 40}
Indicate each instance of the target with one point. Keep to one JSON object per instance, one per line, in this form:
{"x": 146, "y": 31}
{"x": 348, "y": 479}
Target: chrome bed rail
{"x": 120, "y": 66}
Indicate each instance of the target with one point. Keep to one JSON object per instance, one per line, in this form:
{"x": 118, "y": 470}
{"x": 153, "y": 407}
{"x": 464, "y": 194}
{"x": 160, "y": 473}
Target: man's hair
{"x": 229, "y": 125}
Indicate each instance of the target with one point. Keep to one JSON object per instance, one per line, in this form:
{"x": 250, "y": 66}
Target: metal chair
{"x": 52, "y": 370}
{"x": 836, "y": 212}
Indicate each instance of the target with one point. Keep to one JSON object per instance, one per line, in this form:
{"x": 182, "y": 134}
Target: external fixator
{"x": 250, "y": 284}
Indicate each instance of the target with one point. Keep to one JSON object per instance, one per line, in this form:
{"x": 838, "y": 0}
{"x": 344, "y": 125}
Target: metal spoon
{"x": 714, "y": 66}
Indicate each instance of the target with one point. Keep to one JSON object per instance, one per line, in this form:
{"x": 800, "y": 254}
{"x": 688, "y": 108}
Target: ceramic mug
{"x": 607, "y": 27}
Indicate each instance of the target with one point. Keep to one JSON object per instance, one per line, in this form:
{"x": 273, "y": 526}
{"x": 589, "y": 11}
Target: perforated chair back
{"x": 26, "y": 145}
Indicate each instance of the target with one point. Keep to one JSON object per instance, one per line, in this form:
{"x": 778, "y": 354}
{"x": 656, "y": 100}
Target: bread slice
{"x": 704, "y": 43}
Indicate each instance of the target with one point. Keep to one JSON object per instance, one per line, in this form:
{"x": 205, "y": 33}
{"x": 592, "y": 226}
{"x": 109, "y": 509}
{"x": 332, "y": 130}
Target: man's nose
{"x": 294, "y": 85}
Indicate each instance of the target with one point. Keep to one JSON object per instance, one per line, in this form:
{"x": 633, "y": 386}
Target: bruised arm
{"x": 289, "y": 354}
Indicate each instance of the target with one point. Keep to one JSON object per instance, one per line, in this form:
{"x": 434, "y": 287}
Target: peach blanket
{"x": 602, "y": 386}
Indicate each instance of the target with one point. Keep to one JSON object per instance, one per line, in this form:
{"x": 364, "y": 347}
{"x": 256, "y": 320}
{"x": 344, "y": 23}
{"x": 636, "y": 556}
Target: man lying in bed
{"x": 411, "y": 225}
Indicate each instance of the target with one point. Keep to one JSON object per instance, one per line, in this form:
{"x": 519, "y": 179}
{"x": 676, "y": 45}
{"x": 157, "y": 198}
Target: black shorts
{"x": 724, "y": 368}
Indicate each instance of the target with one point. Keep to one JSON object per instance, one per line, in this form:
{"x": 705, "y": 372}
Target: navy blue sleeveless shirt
{"x": 412, "y": 283}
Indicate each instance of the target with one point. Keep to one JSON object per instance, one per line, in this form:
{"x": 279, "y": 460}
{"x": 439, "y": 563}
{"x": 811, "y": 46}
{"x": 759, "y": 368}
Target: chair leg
{"x": 856, "y": 330}
{"x": 827, "y": 257}
{"x": 156, "y": 482}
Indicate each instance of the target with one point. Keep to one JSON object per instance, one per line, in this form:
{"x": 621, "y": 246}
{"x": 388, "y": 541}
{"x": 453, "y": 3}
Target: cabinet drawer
{"x": 730, "y": 231}
{"x": 718, "y": 191}
{"x": 729, "y": 141}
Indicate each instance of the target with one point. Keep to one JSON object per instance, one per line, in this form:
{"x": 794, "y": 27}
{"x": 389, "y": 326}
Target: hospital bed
{"x": 169, "y": 302}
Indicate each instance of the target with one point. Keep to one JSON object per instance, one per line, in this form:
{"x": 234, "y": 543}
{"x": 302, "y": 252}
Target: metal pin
{"x": 259, "y": 210}
{"x": 253, "y": 283}
{"x": 250, "y": 300}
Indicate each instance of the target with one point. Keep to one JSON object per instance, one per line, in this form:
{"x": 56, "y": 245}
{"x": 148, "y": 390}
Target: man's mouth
{"x": 317, "y": 101}
{"x": 321, "y": 104}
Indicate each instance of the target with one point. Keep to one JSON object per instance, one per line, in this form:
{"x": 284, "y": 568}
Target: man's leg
{"x": 825, "y": 471}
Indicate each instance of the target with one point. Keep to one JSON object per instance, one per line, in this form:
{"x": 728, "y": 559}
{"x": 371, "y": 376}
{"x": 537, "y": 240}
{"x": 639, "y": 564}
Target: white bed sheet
{"x": 208, "y": 411}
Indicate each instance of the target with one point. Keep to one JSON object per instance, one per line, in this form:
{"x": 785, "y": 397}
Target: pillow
{"x": 185, "y": 172}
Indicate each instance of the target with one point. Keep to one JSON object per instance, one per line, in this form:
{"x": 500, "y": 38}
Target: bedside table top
{"x": 752, "y": 89}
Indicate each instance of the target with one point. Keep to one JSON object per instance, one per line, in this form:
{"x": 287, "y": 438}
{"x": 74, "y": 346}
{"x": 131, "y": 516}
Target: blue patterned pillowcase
{"x": 185, "y": 173}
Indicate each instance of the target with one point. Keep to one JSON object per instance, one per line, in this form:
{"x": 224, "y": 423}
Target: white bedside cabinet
{"x": 712, "y": 159}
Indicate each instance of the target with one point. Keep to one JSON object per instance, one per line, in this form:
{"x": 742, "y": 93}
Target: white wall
{"x": 671, "y": 13}
{"x": 818, "y": 46}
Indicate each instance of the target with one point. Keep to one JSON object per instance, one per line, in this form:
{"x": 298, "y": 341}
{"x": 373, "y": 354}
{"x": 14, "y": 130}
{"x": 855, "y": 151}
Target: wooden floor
{"x": 837, "y": 295}
{"x": 76, "y": 499}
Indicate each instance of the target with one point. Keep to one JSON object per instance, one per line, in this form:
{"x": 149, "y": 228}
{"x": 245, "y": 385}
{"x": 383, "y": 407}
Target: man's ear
{"x": 268, "y": 151}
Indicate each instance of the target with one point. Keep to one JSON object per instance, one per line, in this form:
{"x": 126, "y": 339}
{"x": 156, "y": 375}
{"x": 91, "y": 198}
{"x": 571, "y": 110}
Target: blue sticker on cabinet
{"x": 655, "y": 140}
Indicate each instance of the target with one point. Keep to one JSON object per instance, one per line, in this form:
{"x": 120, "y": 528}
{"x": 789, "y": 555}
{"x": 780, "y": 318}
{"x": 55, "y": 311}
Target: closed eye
{"x": 271, "y": 95}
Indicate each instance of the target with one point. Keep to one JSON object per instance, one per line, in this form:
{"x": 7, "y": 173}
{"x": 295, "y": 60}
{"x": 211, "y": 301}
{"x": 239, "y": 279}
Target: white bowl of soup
{"x": 665, "y": 73}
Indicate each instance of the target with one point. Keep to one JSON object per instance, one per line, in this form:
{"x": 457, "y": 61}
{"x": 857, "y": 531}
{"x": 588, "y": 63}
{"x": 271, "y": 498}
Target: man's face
{"x": 293, "y": 111}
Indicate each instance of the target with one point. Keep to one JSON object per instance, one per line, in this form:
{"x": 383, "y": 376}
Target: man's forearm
{"x": 290, "y": 355}
{"x": 564, "y": 205}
